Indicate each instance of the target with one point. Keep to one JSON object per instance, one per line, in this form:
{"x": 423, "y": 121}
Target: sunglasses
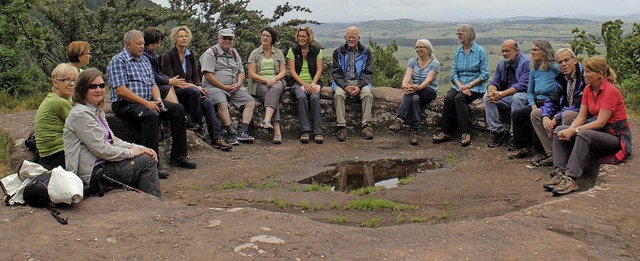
{"x": 95, "y": 86}
{"x": 227, "y": 38}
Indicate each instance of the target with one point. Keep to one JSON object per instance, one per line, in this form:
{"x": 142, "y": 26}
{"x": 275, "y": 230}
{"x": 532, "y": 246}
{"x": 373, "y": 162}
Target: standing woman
{"x": 52, "y": 113}
{"x": 542, "y": 83}
{"x": 305, "y": 62}
{"x": 266, "y": 67}
{"x": 469, "y": 74}
{"x": 420, "y": 86}
{"x": 601, "y": 129}
{"x": 181, "y": 61}
{"x": 90, "y": 145}
{"x": 79, "y": 54}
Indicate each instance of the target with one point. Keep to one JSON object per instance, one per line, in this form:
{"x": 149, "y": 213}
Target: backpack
{"x": 30, "y": 143}
{"x": 36, "y": 194}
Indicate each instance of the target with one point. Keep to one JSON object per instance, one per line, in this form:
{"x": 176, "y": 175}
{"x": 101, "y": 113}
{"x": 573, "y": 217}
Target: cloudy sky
{"x": 445, "y": 10}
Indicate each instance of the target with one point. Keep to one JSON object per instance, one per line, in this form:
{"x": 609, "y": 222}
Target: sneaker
{"x": 413, "y": 137}
{"x": 233, "y": 140}
{"x": 441, "y": 137}
{"x": 221, "y": 144}
{"x": 266, "y": 125}
{"x": 245, "y": 137}
{"x": 341, "y": 135}
{"x": 465, "y": 139}
{"x": 277, "y": 138}
{"x": 521, "y": 153}
{"x": 183, "y": 162}
{"x": 497, "y": 139}
{"x": 318, "y": 139}
{"x": 304, "y": 139}
{"x": 397, "y": 125}
{"x": 554, "y": 182}
{"x": 367, "y": 133}
{"x": 538, "y": 157}
{"x": 546, "y": 162}
{"x": 163, "y": 174}
{"x": 566, "y": 186}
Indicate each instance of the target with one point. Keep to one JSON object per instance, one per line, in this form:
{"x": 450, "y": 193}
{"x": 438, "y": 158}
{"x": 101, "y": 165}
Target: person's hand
{"x": 566, "y": 134}
{"x": 272, "y": 81}
{"x": 467, "y": 91}
{"x": 352, "y": 90}
{"x": 315, "y": 88}
{"x": 152, "y": 105}
{"x": 202, "y": 91}
{"x": 178, "y": 82}
{"x": 137, "y": 151}
{"x": 493, "y": 96}
{"x": 410, "y": 88}
{"x": 234, "y": 87}
{"x": 549, "y": 124}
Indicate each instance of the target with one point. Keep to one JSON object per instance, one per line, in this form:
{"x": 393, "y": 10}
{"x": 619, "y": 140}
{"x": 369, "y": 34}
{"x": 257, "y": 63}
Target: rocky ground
{"x": 474, "y": 204}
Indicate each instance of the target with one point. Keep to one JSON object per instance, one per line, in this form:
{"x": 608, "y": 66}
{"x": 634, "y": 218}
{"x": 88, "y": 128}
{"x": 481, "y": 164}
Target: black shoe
{"x": 163, "y": 174}
{"x": 497, "y": 139}
{"x": 512, "y": 146}
{"x": 194, "y": 126}
{"x": 342, "y": 134}
{"x": 183, "y": 162}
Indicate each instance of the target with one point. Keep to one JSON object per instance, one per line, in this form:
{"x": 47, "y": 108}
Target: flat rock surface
{"x": 479, "y": 206}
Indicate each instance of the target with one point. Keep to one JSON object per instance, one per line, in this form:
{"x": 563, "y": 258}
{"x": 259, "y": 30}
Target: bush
{"x": 630, "y": 90}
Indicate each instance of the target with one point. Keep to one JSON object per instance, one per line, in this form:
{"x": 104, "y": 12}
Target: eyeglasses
{"x": 266, "y": 35}
{"x": 67, "y": 80}
{"x": 96, "y": 86}
{"x": 535, "y": 49}
{"x": 565, "y": 61}
{"x": 227, "y": 38}
{"x": 420, "y": 47}
{"x": 459, "y": 34}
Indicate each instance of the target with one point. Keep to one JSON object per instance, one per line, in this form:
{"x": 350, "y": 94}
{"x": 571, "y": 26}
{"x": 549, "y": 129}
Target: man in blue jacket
{"x": 563, "y": 105}
{"x": 352, "y": 72}
{"x": 508, "y": 89}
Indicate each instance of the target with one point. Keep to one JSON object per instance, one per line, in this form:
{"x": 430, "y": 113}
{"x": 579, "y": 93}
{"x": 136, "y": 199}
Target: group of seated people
{"x": 556, "y": 102}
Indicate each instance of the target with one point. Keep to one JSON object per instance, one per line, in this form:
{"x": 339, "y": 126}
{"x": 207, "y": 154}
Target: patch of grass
{"x": 338, "y": 220}
{"x": 445, "y": 202}
{"x": 450, "y": 158}
{"x": 419, "y": 219}
{"x": 399, "y": 218}
{"x": 374, "y": 204}
{"x": 407, "y": 179}
{"x": 231, "y": 185}
{"x": 293, "y": 188}
{"x": 366, "y": 190}
{"x": 305, "y": 205}
{"x": 318, "y": 207}
{"x": 5, "y": 152}
{"x": 281, "y": 203}
{"x": 443, "y": 215}
{"x": 270, "y": 200}
{"x": 370, "y": 223}
{"x": 333, "y": 205}
{"x": 195, "y": 187}
{"x": 315, "y": 187}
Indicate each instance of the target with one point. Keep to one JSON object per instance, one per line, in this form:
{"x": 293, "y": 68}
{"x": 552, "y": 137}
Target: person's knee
{"x": 536, "y": 115}
{"x": 415, "y": 98}
{"x": 250, "y": 105}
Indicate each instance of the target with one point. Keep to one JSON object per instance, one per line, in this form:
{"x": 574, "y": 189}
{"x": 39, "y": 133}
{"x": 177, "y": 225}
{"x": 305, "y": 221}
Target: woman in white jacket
{"x": 89, "y": 143}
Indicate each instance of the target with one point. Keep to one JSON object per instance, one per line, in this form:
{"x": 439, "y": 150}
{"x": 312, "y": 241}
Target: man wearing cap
{"x": 222, "y": 77}
{"x": 135, "y": 98}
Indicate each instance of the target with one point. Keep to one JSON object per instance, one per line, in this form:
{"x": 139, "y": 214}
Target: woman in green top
{"x": 266, "y": 68}
{"x": 305, "y": 63}
{"x": 51, "y": 115}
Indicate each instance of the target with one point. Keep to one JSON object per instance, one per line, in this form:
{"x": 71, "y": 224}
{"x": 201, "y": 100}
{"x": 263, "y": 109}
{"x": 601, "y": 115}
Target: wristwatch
{"x": 577, "y": 130}
{"x": 500, "y": 93}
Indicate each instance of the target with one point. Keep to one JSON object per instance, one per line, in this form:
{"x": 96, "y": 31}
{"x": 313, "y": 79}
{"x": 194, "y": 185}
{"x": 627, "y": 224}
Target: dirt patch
{"x": 250, "y": 202}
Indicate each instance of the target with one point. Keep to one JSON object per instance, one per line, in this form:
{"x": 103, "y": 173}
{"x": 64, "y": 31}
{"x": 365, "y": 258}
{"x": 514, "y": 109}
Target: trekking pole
{"x": 124, "y": 186}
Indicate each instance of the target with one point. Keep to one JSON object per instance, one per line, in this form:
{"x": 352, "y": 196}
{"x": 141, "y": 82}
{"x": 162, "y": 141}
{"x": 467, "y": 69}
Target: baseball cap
{"x": 226, "y": 32}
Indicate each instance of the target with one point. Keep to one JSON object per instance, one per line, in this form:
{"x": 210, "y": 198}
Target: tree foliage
{"x": 386, "y": 71}
{"x": 584, "y": 42}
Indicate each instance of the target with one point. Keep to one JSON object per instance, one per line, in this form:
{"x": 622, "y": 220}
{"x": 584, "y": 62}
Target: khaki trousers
{"x": 339, "y": 97}
{"x": 546, "y": 138}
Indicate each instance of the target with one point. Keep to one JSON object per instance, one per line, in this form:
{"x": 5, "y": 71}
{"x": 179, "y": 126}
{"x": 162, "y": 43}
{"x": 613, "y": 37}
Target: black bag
{"x": 289, "y": 80}
{"x": 36, "y": 194}
{"x": 30, "y": 143}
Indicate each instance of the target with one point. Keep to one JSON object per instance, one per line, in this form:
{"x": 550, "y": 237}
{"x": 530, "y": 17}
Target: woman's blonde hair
{"x": 598, "y": 64}
{"x": 309, "y": 33}
{"x": 176, "y": 30}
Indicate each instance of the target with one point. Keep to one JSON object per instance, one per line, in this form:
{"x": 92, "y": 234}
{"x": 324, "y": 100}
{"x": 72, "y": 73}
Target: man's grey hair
{"x": 130, "y": 35}
{"x": 573, "y": 55}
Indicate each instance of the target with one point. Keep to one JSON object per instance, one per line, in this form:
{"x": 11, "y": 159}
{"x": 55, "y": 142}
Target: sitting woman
{"x": 601, "y": 129}
{"x": 266, "y": 68}
{"x": 79, "y": 54}
{"x": 52, "y": 113}
{"x": 420, "y": 86}
{"x": 305, "y": 62}
{"x": 180, "y": 61}
{"x": 90, "y": 144}
{"x": 469, "y": 74}
{"x": 542, "y": 83}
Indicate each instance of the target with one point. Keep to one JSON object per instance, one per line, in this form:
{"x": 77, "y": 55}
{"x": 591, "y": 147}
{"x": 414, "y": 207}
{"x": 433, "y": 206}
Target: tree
{"x": 386, "y": 71}
{"x": 584, "y": 42}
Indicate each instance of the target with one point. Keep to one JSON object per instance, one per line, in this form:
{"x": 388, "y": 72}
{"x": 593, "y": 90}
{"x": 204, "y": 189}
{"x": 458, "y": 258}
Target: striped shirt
{"x": 136, "y": 74}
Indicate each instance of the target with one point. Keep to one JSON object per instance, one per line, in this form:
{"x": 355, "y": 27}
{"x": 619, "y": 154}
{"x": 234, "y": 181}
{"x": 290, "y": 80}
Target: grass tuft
{"x": 374, "y": 204}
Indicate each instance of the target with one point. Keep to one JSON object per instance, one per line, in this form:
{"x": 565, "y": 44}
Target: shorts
{"x": 237, "y": 99}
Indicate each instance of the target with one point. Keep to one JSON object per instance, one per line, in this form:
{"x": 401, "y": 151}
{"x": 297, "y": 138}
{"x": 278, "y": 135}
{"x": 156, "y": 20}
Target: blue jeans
{"x": 213, "y": 124}
{"x": 309, "y": 109}
{"x": 513, "y": 102}
{"x": 412, "y": 103}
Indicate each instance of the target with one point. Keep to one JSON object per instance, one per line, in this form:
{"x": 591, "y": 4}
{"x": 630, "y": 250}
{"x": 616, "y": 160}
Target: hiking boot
{"x": 397, "y": 125}
{"x": 233, "y": 139}
{"x": 277, "y": 138}
{"x": 441, "y": 137}
{"x": 341, "y": 135}
{"x": 465, "y": 139}
{"x": 413, "y": 137}
{"x": 221, "y": 144}
{"x": 367, "y": 133}
{"x": 163, "y": 174}
{"x": 245, "y": 137}
{"x": 566, "y": 186}
{"x": 538, "y": 157}
{"x": 266, "y": 125}
{"x": 512, "y": 146}
{"x": 546, "y": 162}
{"x": 318, "y": 139}
{"x": 183, "y": 162}
{"x": 497, "y": 139}
{"x": 304, "y": 139}
{"x": 521, "y": 153}
{"x": 554, "y": 182}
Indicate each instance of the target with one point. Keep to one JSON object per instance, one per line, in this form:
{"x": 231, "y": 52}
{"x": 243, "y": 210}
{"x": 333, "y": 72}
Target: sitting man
{"x": 352, "y": 72}
{"x": 508, "y": 89}
{"x": 563, "y": 105}
{"x": 136, "y": 99}
{"x": 222, "y": 78}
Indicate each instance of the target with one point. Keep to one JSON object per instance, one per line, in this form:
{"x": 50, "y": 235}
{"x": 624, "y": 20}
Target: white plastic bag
{"x": 14, "y": 184}
{"x": 65, "y": 187}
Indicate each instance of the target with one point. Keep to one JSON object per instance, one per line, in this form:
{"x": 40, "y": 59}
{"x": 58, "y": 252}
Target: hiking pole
{"x": 124, "y": 186}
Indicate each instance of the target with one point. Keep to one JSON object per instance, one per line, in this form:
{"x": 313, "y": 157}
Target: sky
{"x": 331, "y": 11}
